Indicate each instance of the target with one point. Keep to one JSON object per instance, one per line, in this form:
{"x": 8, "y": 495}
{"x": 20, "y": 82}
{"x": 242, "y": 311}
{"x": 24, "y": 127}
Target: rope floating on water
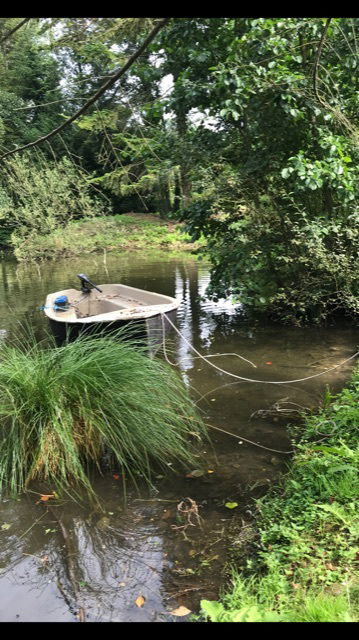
{"x": 256, "y": 444}
{"x": 205, "y": 359}
{"x": 233, "y": 375}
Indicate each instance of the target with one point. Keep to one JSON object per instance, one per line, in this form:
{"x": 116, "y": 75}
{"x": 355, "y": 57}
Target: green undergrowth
{"x": 110, "y": 233}
{"x": 305, "y": 560}
{"x": 63, "y": 410}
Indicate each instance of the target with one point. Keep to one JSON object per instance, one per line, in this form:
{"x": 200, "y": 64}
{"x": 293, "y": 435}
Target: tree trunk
{"x": 186, "y": 187}
{"x": 177, "y": 195}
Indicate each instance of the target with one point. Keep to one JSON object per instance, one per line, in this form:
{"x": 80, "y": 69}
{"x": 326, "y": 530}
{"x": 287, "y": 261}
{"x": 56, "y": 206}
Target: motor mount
{"x": 86, "y": 284}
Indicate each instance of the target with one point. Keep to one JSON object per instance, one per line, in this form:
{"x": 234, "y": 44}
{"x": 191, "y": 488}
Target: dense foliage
{"x": 245, "y": 129}
{"x": 38, "y": 198}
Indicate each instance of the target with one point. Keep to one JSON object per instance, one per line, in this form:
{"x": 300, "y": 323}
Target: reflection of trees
{"x": 226, "y": 324}
{"x": 116, "y": 563}
{"x": 4, "y": 276}
{"x": 113, "y": 559}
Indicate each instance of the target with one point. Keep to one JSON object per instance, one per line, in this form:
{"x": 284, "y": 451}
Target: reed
{"x": 63, "y": 409}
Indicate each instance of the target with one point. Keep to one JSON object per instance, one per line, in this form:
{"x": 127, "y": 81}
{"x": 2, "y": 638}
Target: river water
{"x": 141, "y": 549}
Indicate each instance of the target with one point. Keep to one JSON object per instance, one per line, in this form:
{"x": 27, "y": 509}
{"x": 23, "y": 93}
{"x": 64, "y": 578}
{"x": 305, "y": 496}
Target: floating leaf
{"x": 45, "y": 498}
{"x": 196, "y": 473}
{"x": 180, "y": 611}
{"x": 210, "y": 470}
{"x": 231, "y": 505}
{"x": 5, "y": 526}
{"x": 269, "y": 362}
{"x": 140, "y": 601}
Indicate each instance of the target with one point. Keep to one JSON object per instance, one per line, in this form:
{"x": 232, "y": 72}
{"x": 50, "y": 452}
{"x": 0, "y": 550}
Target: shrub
{"x": 38, "y": 196}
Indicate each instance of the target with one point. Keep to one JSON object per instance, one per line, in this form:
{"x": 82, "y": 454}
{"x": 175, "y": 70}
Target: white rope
{"x": 218, "y": 355}
{"x": 214, "y": 355}
{"x": 233, "y": 375}
{"x": 173, "y": 364}
{"x": 256, "y": 444}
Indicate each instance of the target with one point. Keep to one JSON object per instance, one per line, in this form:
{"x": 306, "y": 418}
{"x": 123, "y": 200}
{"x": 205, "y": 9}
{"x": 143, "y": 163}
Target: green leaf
{"x": 231, "y": 505}
{"x": 255, "y": 614}
{"x": 327, "y": 450}
{"x": 5, "y": 526}
{"x": 212, "y": 609}
{"x": 336, "y": 511}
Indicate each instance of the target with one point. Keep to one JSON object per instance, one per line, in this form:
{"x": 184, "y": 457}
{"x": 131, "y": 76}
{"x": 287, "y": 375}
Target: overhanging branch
{"x": 9, "y": 33}
{"x": 98, "y": 93}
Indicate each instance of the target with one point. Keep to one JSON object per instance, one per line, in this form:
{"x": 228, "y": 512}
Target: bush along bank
{"x": 110, "y": 233}
{"x": 304, "y": 566}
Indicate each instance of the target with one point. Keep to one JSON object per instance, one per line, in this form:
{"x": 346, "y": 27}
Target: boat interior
{"x": 94, "y": 306}
{"x": 113, "y": 301}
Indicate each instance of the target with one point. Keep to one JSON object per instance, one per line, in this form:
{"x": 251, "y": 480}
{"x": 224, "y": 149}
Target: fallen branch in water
{"x": 278, "y": 409}
{"x": 189, "y": 511}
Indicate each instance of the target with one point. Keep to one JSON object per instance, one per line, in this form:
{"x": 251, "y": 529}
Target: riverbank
{"x": 110, "y": 233}
{"x": 304, "y": 554}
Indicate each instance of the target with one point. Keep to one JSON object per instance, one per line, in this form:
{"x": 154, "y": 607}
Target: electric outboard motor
{"x": 86, "y": 284}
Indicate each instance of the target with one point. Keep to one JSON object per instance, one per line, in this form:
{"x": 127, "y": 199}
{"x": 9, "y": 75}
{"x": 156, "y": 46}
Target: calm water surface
{"x": 140, "y": 549}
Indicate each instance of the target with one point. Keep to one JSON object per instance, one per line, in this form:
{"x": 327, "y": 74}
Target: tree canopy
{"x": 243, "y": 128}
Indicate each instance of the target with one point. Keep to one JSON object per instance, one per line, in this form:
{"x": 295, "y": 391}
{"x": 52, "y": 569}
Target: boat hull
{"x": 148, "y": 331}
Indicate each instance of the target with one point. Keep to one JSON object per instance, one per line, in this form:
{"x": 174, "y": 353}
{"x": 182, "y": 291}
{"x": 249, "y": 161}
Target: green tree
{"x": 286, "y": 241}
{"x": 30, "y": 93}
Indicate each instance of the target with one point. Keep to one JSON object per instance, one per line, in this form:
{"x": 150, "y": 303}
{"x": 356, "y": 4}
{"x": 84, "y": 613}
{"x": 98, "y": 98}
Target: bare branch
{"x": 98, "y": 93}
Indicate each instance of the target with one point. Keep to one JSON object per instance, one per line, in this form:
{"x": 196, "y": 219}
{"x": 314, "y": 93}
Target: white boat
{"x": 98, "y": 308}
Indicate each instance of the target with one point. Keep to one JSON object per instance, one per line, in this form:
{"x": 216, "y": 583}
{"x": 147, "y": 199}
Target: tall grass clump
{"x": 63, "y": 409}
